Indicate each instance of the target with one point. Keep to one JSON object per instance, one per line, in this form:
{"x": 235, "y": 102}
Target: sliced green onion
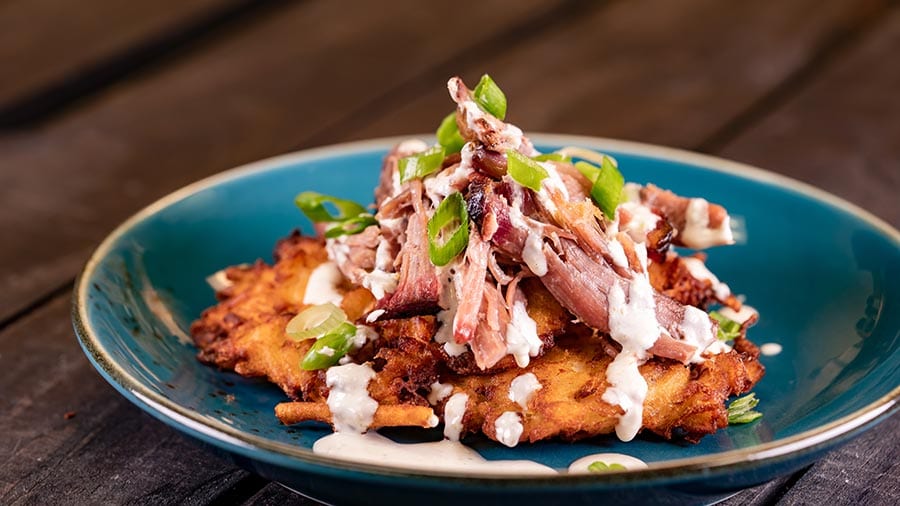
{"x": 329, "y": 348}
{"x": 315, "y": 321}
{"x": 448, "y": 135}
{"x": 741, "y": 410}
{"x": 552, "y": 157}
{"x": 421, "y": 164}
{"x": 607, "y": 185}
{"x": 729, "y": 330}
{"x": 524, "y": 170}
{"x": 602, "y": 467}
{"x": 313, "y": 206}
{"x": 490, "y": 97}
{"x": 352, "y": 226}
{"x": 448, "y": 230}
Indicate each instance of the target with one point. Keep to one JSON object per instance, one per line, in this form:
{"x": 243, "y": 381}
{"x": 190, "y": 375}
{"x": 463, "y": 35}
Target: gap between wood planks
{"x": 840, "y": 41}
{"x": 53, "y": 99}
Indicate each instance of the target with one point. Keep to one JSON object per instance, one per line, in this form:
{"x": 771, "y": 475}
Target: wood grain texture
{"x": 109, "y": 452}
{"x": 45, "y": 41}
{"x": 607, "y": 70}
{"x": 254, "y": 95}
{"x": 843, "y": 132}
{"x": 673, "y": 78}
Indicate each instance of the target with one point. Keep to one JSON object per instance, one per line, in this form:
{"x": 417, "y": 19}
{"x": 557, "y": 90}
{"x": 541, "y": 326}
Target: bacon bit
{"x": 68, "y": 415}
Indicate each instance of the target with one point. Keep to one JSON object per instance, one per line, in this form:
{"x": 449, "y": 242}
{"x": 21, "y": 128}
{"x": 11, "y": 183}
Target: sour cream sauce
{"x": 452, "y": 456}
{"x": 322, "y": 285}
{"x": 352, "y": 410}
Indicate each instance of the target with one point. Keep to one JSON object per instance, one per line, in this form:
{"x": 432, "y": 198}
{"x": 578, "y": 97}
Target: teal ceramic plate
{"x": 823, "y": 274}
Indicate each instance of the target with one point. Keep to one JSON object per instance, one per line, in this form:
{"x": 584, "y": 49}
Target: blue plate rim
{"x": 258, "y": 447}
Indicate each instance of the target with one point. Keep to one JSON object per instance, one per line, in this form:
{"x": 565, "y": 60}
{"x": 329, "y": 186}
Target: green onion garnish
{"x": 315, "y": 321}
{"x": 554, "y": 157}
{"x": 448, "y": 135}
{"x": 352, "y": 226}
{"x": 741, "y": 409}
{"x": 729, "y": 330}
{"x": 490, "y": 97}
{"x": 607, "y": 185}
{"x": 421, "y": 164}
{"x": 329, "y": 348}
{"x": 602, "y": 467}
{"x": 313, "y": 206}
{"x": 448, "y": 230}
{"x": 524, "y": 170}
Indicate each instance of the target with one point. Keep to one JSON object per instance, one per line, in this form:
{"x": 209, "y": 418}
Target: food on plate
{"x": 497, "y": 290}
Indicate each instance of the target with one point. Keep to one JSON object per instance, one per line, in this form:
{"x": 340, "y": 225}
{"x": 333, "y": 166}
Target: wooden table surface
{"x": 106, "y": 106}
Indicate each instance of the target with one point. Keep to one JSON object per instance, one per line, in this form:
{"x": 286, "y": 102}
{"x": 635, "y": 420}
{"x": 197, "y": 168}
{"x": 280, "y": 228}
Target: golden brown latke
{"x": 245, "y": 332}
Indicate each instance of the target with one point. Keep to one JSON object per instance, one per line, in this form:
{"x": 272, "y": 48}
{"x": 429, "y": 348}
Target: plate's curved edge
{"x": 258, "y": 447}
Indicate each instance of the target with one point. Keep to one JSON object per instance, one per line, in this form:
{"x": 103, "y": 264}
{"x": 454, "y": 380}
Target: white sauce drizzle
{"x": 450, "y": 456}
{"x": 374, "y": 315}
{"x": 508, "y": 428}
{"x": 643, "y": 220}
{"x": 632, "y": 324}
{"x": 522, "y": 388}
{"x": 697, "y": 234}
{"x": 352, "y": 410}
{"x": 449, "y": 304}
{"x": 533, "y": 254}
{"x": 322, "y": 285}
{"x": 454, "y": 411}
{"x": 580, "y": 466}
{"x": 697, "y": 332}
{"x": 439, "y": 391}
{"x": 699, "y": 271}
{"x": 618, "y": 253}
{"x": 522, "y": 341}
{"x": 770, "y": 349}
{"x": 741, "y": 316}
{"x": 380, "y": 282}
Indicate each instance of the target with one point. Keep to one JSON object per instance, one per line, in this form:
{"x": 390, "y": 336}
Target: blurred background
{"x": 107, "y": 105}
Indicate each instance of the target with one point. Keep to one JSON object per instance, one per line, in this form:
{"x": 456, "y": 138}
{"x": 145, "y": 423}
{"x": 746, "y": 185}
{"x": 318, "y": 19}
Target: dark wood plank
{"x": 843, "y": 133}
{"x": 42, "y": 42}
{"x": 251, "y": 96}
{"x": 674, "y": 77}
{"x": 274, "y": 494}
{"x": 306, "y": 78}
{"x": 866, "y": 471}
{"x": 121, "y": 163}
{"x": 109, "y": 452}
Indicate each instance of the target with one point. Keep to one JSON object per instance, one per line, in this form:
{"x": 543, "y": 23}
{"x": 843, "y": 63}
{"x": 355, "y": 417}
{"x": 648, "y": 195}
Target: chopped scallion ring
{"x": 602, "y": 467}
{"x": 607, "y": 185}
{"x": 524, "y": 170}
{"x": 729, "y": 330}
{"x": 448, "y": 135}
{"x": 315, "y": 321}
{"x": 329, "y": 348}
{"x": 313, "y": 206}
{"x": 448, "y": 230}
{"x": 351, "y": 226}
{"x": 741, "y": 410}
{"x": 552, "y": 157}
{"x": 421, "y": 164}
{"x": 490, "y": 97}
